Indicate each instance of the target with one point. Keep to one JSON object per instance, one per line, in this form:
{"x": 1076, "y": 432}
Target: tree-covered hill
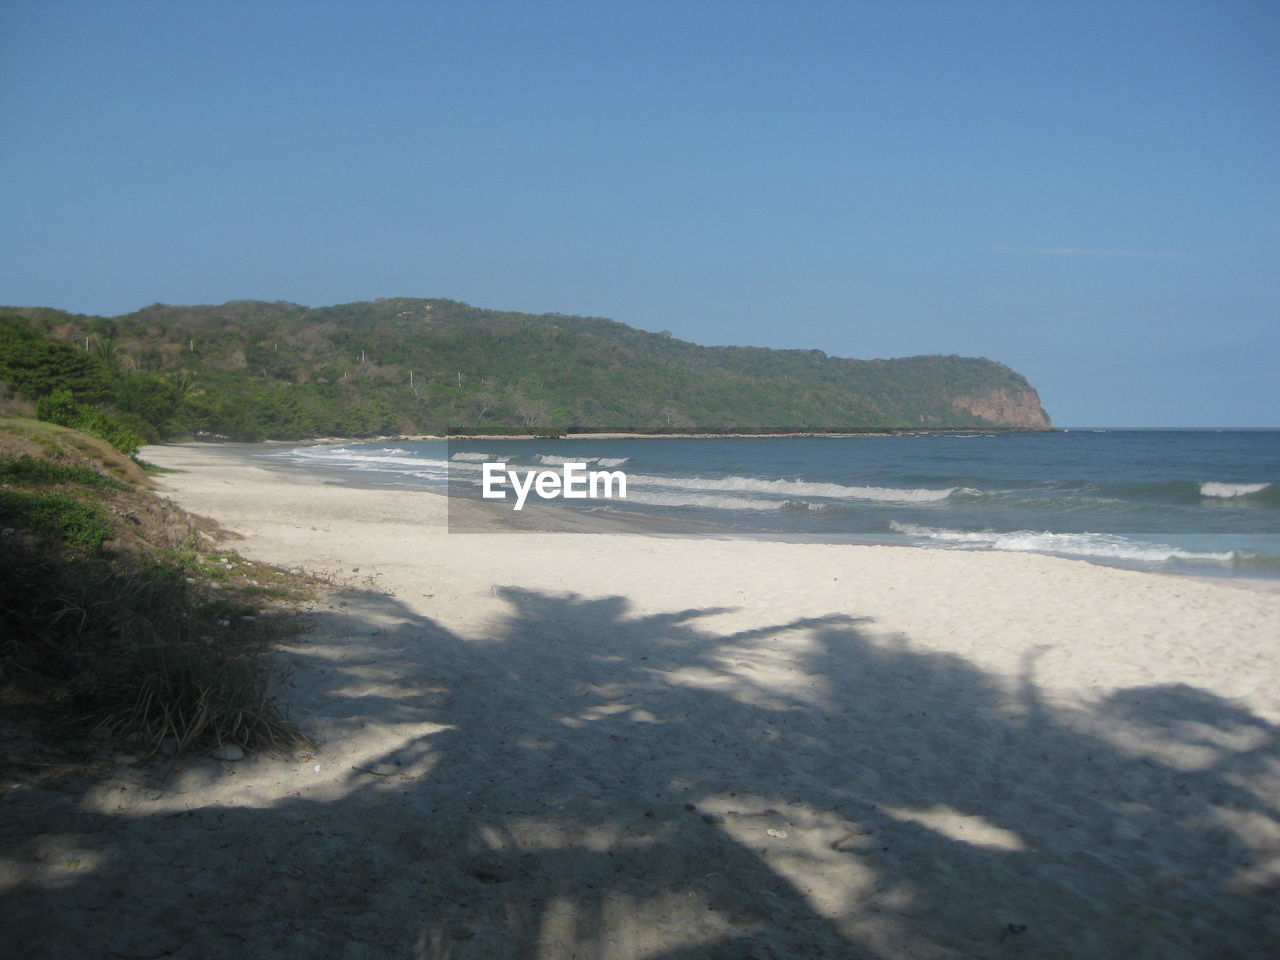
{"x": 250, "y": 369}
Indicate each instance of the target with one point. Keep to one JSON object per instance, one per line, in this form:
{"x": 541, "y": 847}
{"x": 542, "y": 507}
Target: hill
{"x": 251, "y": 370}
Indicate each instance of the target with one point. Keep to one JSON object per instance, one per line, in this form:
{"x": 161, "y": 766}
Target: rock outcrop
{"x": 1007, "y": 407}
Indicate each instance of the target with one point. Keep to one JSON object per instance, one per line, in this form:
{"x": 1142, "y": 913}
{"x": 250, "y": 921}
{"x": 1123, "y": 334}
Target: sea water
{"x": 1188, "y": 501}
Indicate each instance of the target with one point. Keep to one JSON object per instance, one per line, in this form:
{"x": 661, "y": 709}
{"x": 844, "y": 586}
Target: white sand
{"x": 605, "y": 746}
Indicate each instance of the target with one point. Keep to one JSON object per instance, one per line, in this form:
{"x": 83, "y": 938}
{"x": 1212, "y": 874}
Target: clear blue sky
{"x": 1089, "y": 192}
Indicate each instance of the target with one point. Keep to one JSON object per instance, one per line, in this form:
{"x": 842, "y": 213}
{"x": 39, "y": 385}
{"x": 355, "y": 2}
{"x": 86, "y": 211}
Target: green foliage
{"x": 28, "y": 471}
{"x": 56, "y": 516}
{"x": 150, "y": 398}
{"x": 60, "y": 407}
{"x": 250, "y": 371}
{"x": 37, "y": 366}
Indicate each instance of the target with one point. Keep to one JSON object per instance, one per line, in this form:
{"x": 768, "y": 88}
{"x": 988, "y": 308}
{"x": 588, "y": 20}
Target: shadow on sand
{"x": 654, "y": 789}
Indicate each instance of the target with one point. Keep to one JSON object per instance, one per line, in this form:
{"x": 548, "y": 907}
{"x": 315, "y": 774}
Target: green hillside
{"x": 251, "y": 370}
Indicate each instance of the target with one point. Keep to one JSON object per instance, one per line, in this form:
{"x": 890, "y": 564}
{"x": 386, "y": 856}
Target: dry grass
{"x": 142, "y": 631}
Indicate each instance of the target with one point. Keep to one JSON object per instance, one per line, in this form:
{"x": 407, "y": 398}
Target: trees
{"x": 507, "y": 371}
{"x": 60, "y": 407}
{"x": 36, "y": 366}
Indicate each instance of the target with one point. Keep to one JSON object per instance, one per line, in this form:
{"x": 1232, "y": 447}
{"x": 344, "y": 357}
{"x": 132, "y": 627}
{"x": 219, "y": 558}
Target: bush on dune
{"x": 61, "y": 408}
{"x": 132, "y": 652}
{"x": 108, "y": 616}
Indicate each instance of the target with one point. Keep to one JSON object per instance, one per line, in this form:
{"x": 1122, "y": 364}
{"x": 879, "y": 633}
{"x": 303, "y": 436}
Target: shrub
{"x": 60, "y": 407}
{"x": 56, "y": 516}
{"x": 26, "y": 470}
{"x": 130, "y": 651}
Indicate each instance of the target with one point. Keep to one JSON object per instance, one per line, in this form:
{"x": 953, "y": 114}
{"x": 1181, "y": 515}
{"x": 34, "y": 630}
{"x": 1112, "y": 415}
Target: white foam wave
{"x": 797, "y": 488}
{"x": 552, "y": 460}
{"x": 1101, "y": 545}
{"x": 656, "y": 499}
{"x": 340, "y": 453}
{"x": 388, "y": 455}
{"x": 477, "y": 457}
{"x": 1227, "y": 490}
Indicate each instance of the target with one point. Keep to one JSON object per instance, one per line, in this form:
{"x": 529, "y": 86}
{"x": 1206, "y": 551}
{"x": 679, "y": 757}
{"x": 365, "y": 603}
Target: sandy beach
{"x": 560, "y": 745}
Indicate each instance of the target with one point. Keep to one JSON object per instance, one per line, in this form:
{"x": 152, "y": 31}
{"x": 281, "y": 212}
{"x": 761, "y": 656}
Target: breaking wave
{"x": 343, "y": 455}
{"x": 1231, "y": 490}
{"x": 796, "y": 488}
{"x": 1101, "y": 545}
{"x": 657, "y": 499}
{"x": 554, "y": 461}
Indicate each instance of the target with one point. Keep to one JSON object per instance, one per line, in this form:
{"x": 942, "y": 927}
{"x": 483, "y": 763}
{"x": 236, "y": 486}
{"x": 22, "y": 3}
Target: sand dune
{"x": 553, "y": 745}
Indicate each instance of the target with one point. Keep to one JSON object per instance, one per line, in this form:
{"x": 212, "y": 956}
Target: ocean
{"x": 1202, "y": 502}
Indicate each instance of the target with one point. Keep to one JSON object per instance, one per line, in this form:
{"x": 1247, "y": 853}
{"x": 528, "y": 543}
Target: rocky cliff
{"x": 1007, "y": 406}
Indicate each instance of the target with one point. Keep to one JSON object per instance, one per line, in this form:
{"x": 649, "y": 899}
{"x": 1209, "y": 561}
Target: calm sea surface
{"x": 1189, "y": 501}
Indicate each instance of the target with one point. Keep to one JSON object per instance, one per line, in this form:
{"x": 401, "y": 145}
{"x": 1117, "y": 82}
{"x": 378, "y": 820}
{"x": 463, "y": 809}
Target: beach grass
{"x": 118, "y": 611}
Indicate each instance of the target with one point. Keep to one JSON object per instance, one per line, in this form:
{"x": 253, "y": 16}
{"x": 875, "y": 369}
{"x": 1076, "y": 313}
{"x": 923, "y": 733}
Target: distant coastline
{"x": 601, "y": 434}
{"x": 406, "y": 367}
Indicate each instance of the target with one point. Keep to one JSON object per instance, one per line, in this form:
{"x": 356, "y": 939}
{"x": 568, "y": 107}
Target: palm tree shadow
{"x": 588, "y": 782}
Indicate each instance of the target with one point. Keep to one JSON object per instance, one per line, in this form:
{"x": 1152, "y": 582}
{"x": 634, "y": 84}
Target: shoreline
{"x": 877, "y": 432}
{"x": 412, "y": 523}
{"x": 560, "y": 745}
{"x": 467, "y": 515}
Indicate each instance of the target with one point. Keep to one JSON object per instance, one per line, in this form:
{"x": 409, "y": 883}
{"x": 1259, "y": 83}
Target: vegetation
{"x": 60, "y": 407}
{"x": 55, "y": 516}
{"x": 115, "y": 612}
{"x": 29, "y": 471}
{"x": 250, "y": 370}
{"x": 74, "y": 389}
